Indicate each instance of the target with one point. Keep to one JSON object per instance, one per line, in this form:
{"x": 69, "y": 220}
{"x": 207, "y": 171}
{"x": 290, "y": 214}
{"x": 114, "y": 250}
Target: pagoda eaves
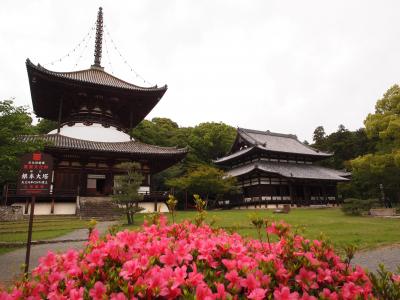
{"x": 91, "y": 95}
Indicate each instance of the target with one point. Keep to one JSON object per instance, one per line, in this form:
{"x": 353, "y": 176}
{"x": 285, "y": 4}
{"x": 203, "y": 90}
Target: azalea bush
{"x": 188, "y": 261}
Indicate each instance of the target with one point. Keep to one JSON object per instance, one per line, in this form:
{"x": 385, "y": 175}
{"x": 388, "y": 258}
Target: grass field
{"x": 44, "y": 227}
{"x": 364, "y": 232}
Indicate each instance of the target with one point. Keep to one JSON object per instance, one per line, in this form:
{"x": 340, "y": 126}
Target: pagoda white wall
{"x": 95, "y": 132}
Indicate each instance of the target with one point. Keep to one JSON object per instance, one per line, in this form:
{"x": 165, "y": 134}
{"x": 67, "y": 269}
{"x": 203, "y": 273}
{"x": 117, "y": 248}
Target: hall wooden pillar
{"x": 291, "y": 193}
{"x": 324, "y": 194}
{"x": 306, "y": 193}
{"x": 336, "y": 196}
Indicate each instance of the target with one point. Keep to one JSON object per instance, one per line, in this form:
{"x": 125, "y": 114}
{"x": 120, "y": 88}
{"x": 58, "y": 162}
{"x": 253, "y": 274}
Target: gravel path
{"x": 10, "y": 263}
{"x": 389, "y": 256}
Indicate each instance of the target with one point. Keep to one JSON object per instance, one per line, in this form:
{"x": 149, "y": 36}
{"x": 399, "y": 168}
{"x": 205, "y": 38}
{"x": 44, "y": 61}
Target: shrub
{"x": 188, "y": 261}
{"x": 386, "y": 285}
{"x": 357, "y": 207}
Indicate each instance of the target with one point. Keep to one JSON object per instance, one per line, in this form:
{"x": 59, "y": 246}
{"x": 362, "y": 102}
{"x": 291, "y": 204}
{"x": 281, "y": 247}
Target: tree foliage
{"x": 14, "y": 121}
{"x": 206, "y": 142}
{"x": 383, "y": 165}
{"x": 206, "y": 181}
{"x": 371, "y": 153}
{"x": 126, "y": 189}
{"x": 384, "y": 124}
{"x": 44, "y": 126}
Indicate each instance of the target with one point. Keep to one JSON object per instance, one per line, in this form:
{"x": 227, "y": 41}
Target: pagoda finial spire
{"x": 99, "y": 39}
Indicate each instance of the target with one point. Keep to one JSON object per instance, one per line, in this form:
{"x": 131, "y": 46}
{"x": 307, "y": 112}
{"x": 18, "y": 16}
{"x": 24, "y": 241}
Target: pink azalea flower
{"x": 49, "y": 260}
{"x": 5, "y": 296}
{"x": 176, "y": 261}
{"x": 285, "y": 294}
{"x": 221, "y": 293}
{"x": 98, "y": 291}
{"x": 396, "y": 278}
{"x": 350, "y": 291}
{"x": 130, "y": 270}
{"x": 324, "y": 275}
{"x": 306, "y": 296}
{"x": 234, "y": 279}
{"x": 169, "y": 259}
{"x": 326, "y": 294}
{"x": 119, "y": 296}
{"x": 95, "y": 258}
{"x": 203, "y": 292}
{"x": 76, "y": 294}
{"x": 257, "y": 294}
{"x": 250, "y": 282}
{"x": 306, "y": 279}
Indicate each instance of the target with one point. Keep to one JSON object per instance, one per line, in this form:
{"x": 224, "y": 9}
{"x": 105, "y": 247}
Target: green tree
{"x": 319, "y": 136}
{"x": 345, "y": 145}
{"x": 371, "y": 170}
{"x": 211, "y": 140}
{"x": 14, "y": 122}
{"x": 158, "y": 131}
{"x": 207, "y": 181}
{"x": 44, "y": 126}
{"x": 383, "y": 165}
{"x": 126, "y": 189}
{"x": 206, "y": 141}
{"x": 384, "y": 124}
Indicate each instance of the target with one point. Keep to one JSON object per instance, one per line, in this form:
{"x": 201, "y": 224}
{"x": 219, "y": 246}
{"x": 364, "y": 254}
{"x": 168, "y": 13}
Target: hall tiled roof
{"x": 235, "y": 154}
{"x": 291, "y": 170}
{"x": 94, "y": 75}
{"x": 277, "y": 142}
{"x": 131, "y": 147}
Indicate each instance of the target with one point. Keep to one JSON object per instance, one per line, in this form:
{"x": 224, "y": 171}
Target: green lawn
{"x": 44, "y": 227}
{"x": 364, "y": 232}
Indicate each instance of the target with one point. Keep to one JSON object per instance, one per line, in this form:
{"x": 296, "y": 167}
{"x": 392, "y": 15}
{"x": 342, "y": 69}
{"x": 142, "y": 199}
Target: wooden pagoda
{"x": 274, "y": 168}
{"x": 95, "y": 112}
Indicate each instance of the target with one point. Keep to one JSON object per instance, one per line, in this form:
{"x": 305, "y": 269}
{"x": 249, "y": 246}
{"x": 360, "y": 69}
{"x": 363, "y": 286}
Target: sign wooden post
{"x": 29, "y": 242}
{"x": 34, "y": 180}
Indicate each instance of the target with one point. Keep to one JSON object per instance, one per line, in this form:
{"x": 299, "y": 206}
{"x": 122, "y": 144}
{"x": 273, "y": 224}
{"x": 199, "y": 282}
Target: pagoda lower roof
{"x": 57, "y": 141}
{"x": 291, "y": 170}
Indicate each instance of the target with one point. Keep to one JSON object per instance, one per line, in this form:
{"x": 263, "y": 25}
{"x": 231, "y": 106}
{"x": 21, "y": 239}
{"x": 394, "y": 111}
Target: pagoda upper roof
{"x": 128, "y": 103}
{"x": 95, "y": 75}
{"x": 291, "y": 170}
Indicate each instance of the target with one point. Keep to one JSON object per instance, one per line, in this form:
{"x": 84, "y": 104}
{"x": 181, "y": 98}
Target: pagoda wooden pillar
{"x": 60, "y": 107}
{"x": 130, "y": 123}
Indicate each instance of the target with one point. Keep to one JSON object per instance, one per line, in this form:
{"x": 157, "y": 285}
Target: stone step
{"x": 99, "y": 207}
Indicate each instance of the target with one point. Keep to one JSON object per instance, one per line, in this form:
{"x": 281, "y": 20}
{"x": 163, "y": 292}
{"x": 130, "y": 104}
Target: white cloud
{"x": 286, "y": 66}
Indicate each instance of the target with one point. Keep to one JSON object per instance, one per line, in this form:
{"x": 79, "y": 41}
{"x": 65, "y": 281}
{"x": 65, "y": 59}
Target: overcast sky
{"x": 284, "y": 66}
